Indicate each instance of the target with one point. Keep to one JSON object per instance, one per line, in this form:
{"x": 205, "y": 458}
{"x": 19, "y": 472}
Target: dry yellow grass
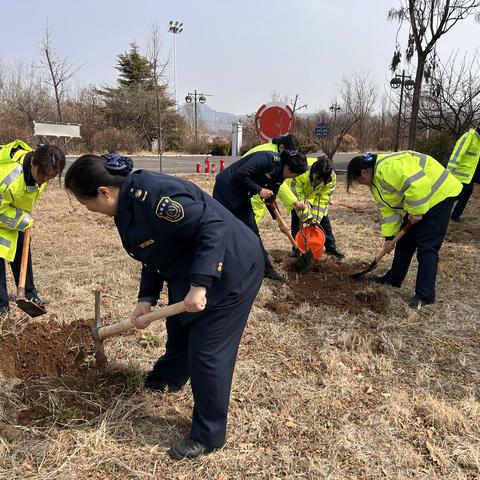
{"x": 317, "y": 393}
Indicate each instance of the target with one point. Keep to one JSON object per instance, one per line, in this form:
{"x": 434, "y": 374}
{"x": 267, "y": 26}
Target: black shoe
{"x": 335, "y": 252}
{"x": 188, "y": 448}
{"x": 457, "y": 219}
{"x": 274, "y": 275}
{"x": 417, "y": 303}
{"x": 384, "y": 281}
{"x": 34, "y": 298}
{"x": 153, "y": 382}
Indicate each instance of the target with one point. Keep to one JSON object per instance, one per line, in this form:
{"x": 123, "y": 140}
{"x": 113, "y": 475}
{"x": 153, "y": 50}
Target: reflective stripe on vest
{"x": 4, "y": 242}
{"x": 393, "y": 218}
{"x": 10, "y": 178}
{"x": 457, "y": 173}
{"x": 458, "y": 150}
{"x": 435, "y": 187}
{"x": 24, "y": 222}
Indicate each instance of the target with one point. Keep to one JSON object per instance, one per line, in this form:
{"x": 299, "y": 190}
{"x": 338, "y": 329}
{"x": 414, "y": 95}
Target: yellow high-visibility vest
{"x": 465, "y": 156}
{"x": 409, "y": 182}
{"x": 318, "y": 196}
{"x": 16, "y": 198}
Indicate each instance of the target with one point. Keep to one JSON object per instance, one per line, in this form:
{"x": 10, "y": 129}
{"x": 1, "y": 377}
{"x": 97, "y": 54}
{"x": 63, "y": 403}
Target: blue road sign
{"x": 321, "y": 130}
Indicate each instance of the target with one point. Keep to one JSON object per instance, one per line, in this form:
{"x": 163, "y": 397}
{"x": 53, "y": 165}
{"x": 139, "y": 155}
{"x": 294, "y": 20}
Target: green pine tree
{"x": 134, "y": 68}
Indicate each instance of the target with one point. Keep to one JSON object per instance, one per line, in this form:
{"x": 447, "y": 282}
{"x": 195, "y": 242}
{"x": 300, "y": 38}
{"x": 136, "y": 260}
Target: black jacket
{"x": 247, "y": 176}
{"x": 183, "y": 236}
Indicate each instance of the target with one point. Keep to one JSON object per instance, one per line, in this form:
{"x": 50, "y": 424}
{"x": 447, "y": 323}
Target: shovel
{"x": 101, "y": 333}
{"x": 24, "y": 304}
{"x": 382, "y": 253}
{"x": 304, "y": 260}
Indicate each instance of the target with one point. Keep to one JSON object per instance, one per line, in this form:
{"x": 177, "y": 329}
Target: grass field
{"x": 341, "y": 381}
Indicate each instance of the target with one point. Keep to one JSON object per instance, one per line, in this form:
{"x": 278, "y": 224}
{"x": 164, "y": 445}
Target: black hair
{"x": 289, "y": 142}
{"x": 296, "y": 163}
{"x": 47, "y": 157}
{"x": 321, "y": 170}
{"x": 357, "y": 164}
{"x": 89, "y": 172}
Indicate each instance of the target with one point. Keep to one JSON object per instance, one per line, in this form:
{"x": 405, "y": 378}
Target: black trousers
{"x": 324, "y": 223}
{"x": 205, "y": 350}
{"x": 426, "y": 237}
{"x": 245, "y": 214}
{"x": 462, "y": 199}
{"x": 15, "y": 265}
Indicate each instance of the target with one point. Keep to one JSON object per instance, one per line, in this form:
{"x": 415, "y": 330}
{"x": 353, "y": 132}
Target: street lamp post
{"x": 176, "y": 28}
{"x": 200, "y": 98}
{"x": 335, "y": 108}
{"x": 402, "y": 81}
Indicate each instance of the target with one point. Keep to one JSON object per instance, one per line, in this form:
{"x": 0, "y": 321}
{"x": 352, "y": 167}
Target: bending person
{"x": 259, "y": 173}
{"x": 24, "y": 174}
{"x": 315, "y": 188}
{"x": 209, "y": 259}
{"x": 409, "y": 187}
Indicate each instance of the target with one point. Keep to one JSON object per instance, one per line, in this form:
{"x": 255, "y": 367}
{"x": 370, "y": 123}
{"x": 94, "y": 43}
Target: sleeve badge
{"x": 169, "y": 210}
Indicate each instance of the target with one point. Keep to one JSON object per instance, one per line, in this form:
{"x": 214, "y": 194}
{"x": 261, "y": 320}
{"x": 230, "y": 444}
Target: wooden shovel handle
{"x": 397, "y": 237}
{"x": 24, "y": 264}
{"x": 163, "y": 312}
{"x": 283, "y": 225}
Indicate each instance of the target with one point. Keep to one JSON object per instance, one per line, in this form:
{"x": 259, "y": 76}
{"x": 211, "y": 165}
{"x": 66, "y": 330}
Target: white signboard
{"x": 52, "y": 129}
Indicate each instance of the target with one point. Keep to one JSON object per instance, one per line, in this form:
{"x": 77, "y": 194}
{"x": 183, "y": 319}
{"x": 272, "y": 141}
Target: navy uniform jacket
{"x": 247, "y": 176}
{"x": 182, "y": 236}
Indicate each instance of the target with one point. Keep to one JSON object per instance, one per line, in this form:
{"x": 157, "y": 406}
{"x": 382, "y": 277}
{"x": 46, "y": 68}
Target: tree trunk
{"x": 416, "y": 101}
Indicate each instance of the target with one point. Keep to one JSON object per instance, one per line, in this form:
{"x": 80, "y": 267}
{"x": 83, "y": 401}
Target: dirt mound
{"x": 47, "y": 349}
{"x": 61, "y": 383}
{"x": 328, "y": 283}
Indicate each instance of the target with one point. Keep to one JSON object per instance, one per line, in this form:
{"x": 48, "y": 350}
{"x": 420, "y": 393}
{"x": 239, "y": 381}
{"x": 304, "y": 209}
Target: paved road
{"x": 187, "y": 163}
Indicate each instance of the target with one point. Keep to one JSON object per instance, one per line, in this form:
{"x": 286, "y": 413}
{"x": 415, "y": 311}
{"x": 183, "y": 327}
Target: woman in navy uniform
{"x": 209, "y": 259}
{"x": 262, "y": 173}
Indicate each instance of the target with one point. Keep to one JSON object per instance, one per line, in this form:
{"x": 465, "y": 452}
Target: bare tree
{"x": 359, "y": 97}
{"x": 157, "y": 77}
{"x": 24, "y": 95}
{"x": 429, "y": 20}
{"x": 59, "y": 69}
{"x": 452, "y": 101}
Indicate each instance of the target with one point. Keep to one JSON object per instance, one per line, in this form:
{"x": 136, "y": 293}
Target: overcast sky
{"x": 239, "y": 51}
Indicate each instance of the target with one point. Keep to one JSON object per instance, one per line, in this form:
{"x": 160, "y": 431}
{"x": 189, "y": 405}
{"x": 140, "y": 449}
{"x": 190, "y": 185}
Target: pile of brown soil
{"x": 61, "y": 383}
{"x": 47, "y": 349}
{"x": 329, "y": 283}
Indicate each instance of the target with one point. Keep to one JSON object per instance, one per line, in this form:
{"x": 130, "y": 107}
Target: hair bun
{"x": 117, "y": 164}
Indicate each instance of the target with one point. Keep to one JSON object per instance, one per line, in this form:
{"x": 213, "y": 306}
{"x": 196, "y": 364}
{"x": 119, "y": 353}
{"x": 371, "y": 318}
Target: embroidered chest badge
{"x": 147, "y": 243}
{"x": 169, "y": 209}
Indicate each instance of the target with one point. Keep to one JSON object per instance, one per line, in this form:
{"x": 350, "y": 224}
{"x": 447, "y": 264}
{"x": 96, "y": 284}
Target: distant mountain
{"x": 216, "y": 122}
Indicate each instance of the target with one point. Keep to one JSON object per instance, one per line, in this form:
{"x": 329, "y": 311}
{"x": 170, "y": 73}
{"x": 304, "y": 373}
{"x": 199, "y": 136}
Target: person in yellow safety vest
{"x": 465, "y": 165}
{"x": 409, "y": 187}
{"x": 315, "y": 189}
{"x": 283, "y": 142}
{"x": 24, "y": 174}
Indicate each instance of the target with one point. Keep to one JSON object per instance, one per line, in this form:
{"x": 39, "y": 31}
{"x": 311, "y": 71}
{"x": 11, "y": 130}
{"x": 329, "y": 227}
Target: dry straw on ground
{"x": 346, "y": 383}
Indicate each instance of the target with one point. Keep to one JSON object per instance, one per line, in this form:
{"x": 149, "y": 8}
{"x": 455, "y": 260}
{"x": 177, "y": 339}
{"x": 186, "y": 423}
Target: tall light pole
{"x": 402, "y": 81}
{"x": 335, "y": 108}
{"x": 176, "y": 28}
{"x": 200, "y": 98}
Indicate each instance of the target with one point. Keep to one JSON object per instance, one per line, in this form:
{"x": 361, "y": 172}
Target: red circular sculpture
{"x": 274, "y": 119}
